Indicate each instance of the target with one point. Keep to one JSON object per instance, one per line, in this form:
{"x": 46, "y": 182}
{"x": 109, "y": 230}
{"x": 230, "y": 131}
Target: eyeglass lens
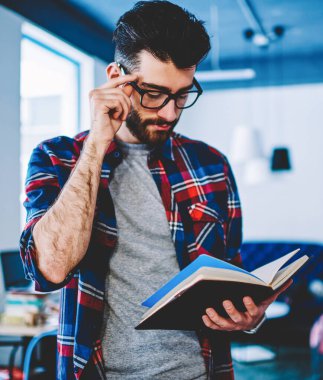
{"x": 155, "y": 99}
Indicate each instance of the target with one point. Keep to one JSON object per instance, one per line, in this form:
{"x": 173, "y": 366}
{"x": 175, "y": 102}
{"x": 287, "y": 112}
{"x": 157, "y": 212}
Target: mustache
{"x": 159, "y": 122}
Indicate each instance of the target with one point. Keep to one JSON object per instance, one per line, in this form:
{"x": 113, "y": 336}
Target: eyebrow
{"x": 165, "y": 89}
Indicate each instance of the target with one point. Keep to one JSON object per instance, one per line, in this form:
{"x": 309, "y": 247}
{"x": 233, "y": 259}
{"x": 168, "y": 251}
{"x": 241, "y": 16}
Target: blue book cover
{"x": 201, "y": 261}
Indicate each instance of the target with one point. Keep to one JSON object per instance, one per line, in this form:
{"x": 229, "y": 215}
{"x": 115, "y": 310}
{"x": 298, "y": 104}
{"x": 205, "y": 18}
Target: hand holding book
{"x": 238, "y": 320}
{"x": 209, "y": 285}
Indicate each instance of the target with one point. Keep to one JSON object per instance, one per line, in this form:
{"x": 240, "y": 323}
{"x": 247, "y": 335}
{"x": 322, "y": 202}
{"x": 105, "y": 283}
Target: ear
{"x": 113, "y": 71}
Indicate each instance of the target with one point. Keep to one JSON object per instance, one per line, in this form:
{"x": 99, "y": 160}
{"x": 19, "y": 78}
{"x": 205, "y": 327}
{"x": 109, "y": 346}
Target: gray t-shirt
{"x": 143, "y": 260}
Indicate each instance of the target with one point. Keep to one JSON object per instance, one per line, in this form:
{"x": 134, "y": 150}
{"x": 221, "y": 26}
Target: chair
{"x": 30, "y": 349}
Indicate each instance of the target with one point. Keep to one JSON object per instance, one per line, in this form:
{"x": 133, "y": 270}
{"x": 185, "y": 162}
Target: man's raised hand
{"x": 110, "y": 105}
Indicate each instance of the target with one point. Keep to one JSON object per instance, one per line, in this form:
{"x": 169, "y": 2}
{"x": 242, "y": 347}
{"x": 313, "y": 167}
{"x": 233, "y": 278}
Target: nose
{"x": 168, "y": 112}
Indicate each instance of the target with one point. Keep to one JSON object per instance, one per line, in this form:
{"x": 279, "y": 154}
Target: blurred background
{"x": 262, "y": 106}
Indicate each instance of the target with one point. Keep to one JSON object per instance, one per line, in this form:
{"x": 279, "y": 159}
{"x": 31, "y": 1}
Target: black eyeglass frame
{"x": 142, "y": 92}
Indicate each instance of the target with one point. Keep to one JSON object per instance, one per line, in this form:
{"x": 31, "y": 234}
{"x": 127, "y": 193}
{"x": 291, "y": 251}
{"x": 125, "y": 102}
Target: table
{"x": 24, "y": 331}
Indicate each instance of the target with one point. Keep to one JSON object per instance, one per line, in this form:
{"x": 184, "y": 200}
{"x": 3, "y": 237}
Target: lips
{"x": 161, "y": 127}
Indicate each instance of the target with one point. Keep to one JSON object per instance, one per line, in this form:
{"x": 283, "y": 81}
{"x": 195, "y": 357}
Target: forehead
{"x": 166, "y": 74}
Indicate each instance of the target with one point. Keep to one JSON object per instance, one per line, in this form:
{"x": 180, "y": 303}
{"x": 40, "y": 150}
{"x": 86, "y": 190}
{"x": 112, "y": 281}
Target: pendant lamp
{"x": 280, "y": 159}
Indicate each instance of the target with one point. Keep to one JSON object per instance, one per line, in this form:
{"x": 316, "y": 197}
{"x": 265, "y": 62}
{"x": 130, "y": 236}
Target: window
{"x": 55, "y": 81}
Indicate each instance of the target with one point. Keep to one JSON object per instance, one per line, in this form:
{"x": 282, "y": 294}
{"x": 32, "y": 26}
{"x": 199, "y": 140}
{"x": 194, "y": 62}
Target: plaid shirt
{"x": 203, "y": 210}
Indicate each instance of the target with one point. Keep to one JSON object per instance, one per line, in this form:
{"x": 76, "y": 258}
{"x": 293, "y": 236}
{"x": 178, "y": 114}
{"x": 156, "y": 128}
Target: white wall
{"x": 288, "y": 206}
{"x": 10, "y": 36}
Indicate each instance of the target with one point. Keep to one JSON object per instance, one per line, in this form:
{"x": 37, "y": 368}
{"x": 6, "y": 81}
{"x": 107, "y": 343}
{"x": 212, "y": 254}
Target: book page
{"x": 284, "y": 274}
{"x": 267, "y": 272}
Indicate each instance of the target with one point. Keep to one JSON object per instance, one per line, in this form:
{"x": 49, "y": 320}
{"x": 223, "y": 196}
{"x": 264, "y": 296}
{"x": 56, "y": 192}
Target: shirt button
{"x": 116, "y": 154}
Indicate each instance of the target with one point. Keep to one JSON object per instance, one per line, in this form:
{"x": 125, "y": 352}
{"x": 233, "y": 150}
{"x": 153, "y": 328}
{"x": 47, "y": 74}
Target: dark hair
{"x": 167, "y": 31}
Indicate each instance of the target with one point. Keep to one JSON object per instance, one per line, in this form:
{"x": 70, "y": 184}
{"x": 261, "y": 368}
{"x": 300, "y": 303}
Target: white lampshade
{"x": 246, "y": 145}
{"x": 256, "y": 171}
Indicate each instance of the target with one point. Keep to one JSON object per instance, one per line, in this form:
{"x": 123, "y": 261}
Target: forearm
{"x": 63, "y": 234}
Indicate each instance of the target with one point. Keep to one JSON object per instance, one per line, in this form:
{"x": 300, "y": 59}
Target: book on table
{"x": 207, "y": 282}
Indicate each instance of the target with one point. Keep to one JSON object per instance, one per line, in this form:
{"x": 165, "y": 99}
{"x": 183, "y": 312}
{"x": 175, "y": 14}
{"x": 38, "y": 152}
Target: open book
{"x": 207, "y": 282}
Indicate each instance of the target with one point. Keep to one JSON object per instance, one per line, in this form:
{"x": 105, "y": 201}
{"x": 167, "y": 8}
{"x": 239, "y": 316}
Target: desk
{"x": 24, "y": 331}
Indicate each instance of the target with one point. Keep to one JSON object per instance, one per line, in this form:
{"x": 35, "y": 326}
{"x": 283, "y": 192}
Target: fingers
{"x": 113, "y": 102}
{"x": 233, "y": 313}
{"x": 237, "y": 320}
{"x": 240, "y": 320}
{"x": 215, "y": 322}
{"x": 125, "y": 103}
{"x": 252, "y": 308}
{"x": 119, "y": 81}
{"x": 210, "y": 324}
{"x": 110, "y": 105}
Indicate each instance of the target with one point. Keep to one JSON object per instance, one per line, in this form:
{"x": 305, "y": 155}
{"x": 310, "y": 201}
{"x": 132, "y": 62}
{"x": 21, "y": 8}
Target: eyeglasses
{"x": 154, "y": 100}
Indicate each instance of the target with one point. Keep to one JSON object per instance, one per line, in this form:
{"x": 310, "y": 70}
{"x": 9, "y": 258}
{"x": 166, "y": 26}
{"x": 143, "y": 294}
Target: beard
{"x": 139, "y": 129}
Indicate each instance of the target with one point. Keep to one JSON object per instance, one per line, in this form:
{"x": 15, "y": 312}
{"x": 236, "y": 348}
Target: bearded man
{"x": 118, "y": 210}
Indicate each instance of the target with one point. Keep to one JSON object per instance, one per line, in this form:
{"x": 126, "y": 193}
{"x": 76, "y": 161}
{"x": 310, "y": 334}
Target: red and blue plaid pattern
{"x": 203, "y": 210}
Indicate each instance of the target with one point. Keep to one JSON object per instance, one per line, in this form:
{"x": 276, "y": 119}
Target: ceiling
{"x": 297, "y": 57}
{"x": 303, "y": 20}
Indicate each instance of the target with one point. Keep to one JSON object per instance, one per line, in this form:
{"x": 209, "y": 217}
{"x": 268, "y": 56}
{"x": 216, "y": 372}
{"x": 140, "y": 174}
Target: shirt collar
{"x": 113, "y": 152}
{"x": 166, "y": 150}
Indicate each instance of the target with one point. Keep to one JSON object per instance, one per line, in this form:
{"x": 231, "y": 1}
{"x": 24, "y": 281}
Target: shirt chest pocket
{"x": 207, "y": 211}
{"x": 208, "y": 228}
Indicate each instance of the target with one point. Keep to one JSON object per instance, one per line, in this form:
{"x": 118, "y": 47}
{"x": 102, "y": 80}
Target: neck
{"x": 124, "y": 135}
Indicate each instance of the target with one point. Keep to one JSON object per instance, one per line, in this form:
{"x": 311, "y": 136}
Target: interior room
{"x": 262, "y": 107}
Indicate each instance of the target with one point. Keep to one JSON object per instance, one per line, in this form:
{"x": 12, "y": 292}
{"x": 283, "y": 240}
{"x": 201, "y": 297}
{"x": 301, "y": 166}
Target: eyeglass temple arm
{"x": 197, "y": 85}
{"x": 124, "y": 71}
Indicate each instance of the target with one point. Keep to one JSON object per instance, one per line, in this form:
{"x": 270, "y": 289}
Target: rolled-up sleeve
{"x": 42, "y": 189}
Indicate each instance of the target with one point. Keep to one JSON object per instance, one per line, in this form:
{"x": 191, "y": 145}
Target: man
{"x": 117, "y": 211}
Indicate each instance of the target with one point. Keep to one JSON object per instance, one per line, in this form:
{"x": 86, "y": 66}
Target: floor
{"x": 290, "y": 363}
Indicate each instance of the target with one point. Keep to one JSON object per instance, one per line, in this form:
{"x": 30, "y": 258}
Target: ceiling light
{"x": 260, "y": 40}
{"x": 225, "y": 75}
{"x": 216, "y": 73}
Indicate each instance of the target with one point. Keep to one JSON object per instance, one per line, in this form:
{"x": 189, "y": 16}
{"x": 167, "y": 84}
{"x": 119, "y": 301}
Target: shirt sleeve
{"x": 234, "y": 223}
{"x": 42, "y": 188}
